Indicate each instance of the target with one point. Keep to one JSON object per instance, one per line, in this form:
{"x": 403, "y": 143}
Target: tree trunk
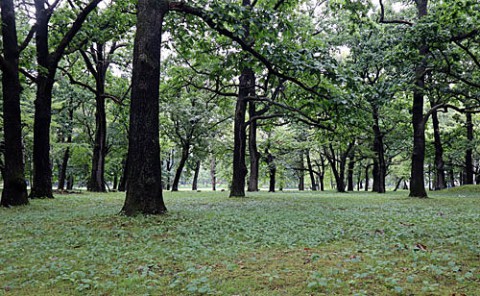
{"x": 379, "y": 166}
{"x": 417, "y": 183}
{"x": 351, "y": 167}
{"x": 122, "y": 185}
{"x": 169, "y": 163}
{"x": 300, "y": 173}
{"x": 47, "y": 64}
{"x": 144, "y": 192}
{"x": 14, "y": 185}
{"x": 181, "y": 165}
{"x": 252, "y": 147}
{"x": 66, "y": 155}
{"x": 439, "y": 179}
{"x": 97, "y": 176}
{"x": 63, "y": 170}
{"x": 195, "y": 175}
{"x": 246, "y": 89}
{"x": 367, "y": 177}
{"x": 469, "y": 151}
{"x": 213, "y": 173}
{"x": 272, "y": 170}
{"x": 70, "y": 182}
{"x": 310, "y": 171}
{"x": 338, "y": 165}
{"x": 398, "y": 184}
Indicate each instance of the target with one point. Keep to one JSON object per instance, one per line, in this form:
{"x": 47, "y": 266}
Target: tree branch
{"x": 244, "y": 44}
{"x": 384, "y": 21}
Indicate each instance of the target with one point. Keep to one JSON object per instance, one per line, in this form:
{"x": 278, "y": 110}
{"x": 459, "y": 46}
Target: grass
{"x": 287, "y": 243}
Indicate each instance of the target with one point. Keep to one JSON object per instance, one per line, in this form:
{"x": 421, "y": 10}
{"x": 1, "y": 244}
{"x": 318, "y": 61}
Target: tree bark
{"x": 15, "y": 187}
{"x": 195, "y": 175}
{"x": 300, "y": 172}
{"x": 417, "y": 182}
{"x": 181, "y": 165}
{"x": 367, "y": 177}
{"x": 213, "y": 173}
{"x": 252, "y": 147}
{"x": 469, "y": 151}
{"x": 379, "y": 166}
{"x": 272, "y": 170}
{"x": 144, "y": 192}
{"x": 63, "y": 169}
{"x": 66, "y": 155}
{"x": 310, "y": 171}
{"x": 246, "y": 89}
{"x": 351, "y": 167}
{"x": 439, "y": 179}
{"x": 338, "y": 163}
{"x": 122, "y": 185}
{"x": 97, "y": 175}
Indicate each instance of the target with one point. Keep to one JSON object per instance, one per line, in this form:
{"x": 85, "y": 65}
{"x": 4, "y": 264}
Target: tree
{"x": 144, "y": 192}
{"x": 47, "y": 63}
{"x": 15, "y": 188}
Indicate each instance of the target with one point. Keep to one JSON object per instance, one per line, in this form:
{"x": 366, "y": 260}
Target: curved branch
{"x": 384, "y": 21}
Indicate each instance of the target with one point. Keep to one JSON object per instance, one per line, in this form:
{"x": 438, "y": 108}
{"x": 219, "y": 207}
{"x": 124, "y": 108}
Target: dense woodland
{"x": 238, "y": 95}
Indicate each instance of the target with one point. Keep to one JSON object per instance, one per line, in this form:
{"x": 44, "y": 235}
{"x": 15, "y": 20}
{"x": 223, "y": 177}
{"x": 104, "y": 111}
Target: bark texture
{"x": 15, "y": 187}
{"x": 144, "y": 192}
{"x": 417, "y": 182}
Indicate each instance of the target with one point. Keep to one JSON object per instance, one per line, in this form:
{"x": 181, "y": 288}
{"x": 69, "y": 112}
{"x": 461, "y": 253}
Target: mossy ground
{"x": 287, "y": 243}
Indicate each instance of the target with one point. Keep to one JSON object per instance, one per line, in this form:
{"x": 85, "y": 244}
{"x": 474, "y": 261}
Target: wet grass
{"x": 286, "y": 243}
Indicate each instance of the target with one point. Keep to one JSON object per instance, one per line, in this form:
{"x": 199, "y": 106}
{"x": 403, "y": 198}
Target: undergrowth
{"x": 287, "y": 243}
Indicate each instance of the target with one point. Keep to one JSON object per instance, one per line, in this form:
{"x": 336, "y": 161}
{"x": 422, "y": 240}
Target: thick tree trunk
{"x": 246, "y": 89}
{"x": 47, "y": 64}
{"x": 195, "y": 175}
{"x": 469, "y": 151}
{"x": 417, "y": 183}
{"x": 42, "y": 172}
{"x": 144, "y": 192}
{"x": 310, "y": 171}
{"x": 14, "y": 185}
{"x": 181, "y": 165}
{"x": 213, "y": 172}
{"x": 252, "y": 147}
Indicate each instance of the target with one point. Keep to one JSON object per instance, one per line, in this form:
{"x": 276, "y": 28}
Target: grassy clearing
{"x": 268, "y": 244}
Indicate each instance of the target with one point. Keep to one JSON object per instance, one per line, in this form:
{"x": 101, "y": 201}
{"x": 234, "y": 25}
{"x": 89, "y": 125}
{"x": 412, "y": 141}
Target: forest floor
{"x": 287, "y": 243}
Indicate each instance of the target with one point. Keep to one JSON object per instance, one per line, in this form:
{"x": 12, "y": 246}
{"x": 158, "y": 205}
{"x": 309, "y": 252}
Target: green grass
{"x": 287, "y": 243}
